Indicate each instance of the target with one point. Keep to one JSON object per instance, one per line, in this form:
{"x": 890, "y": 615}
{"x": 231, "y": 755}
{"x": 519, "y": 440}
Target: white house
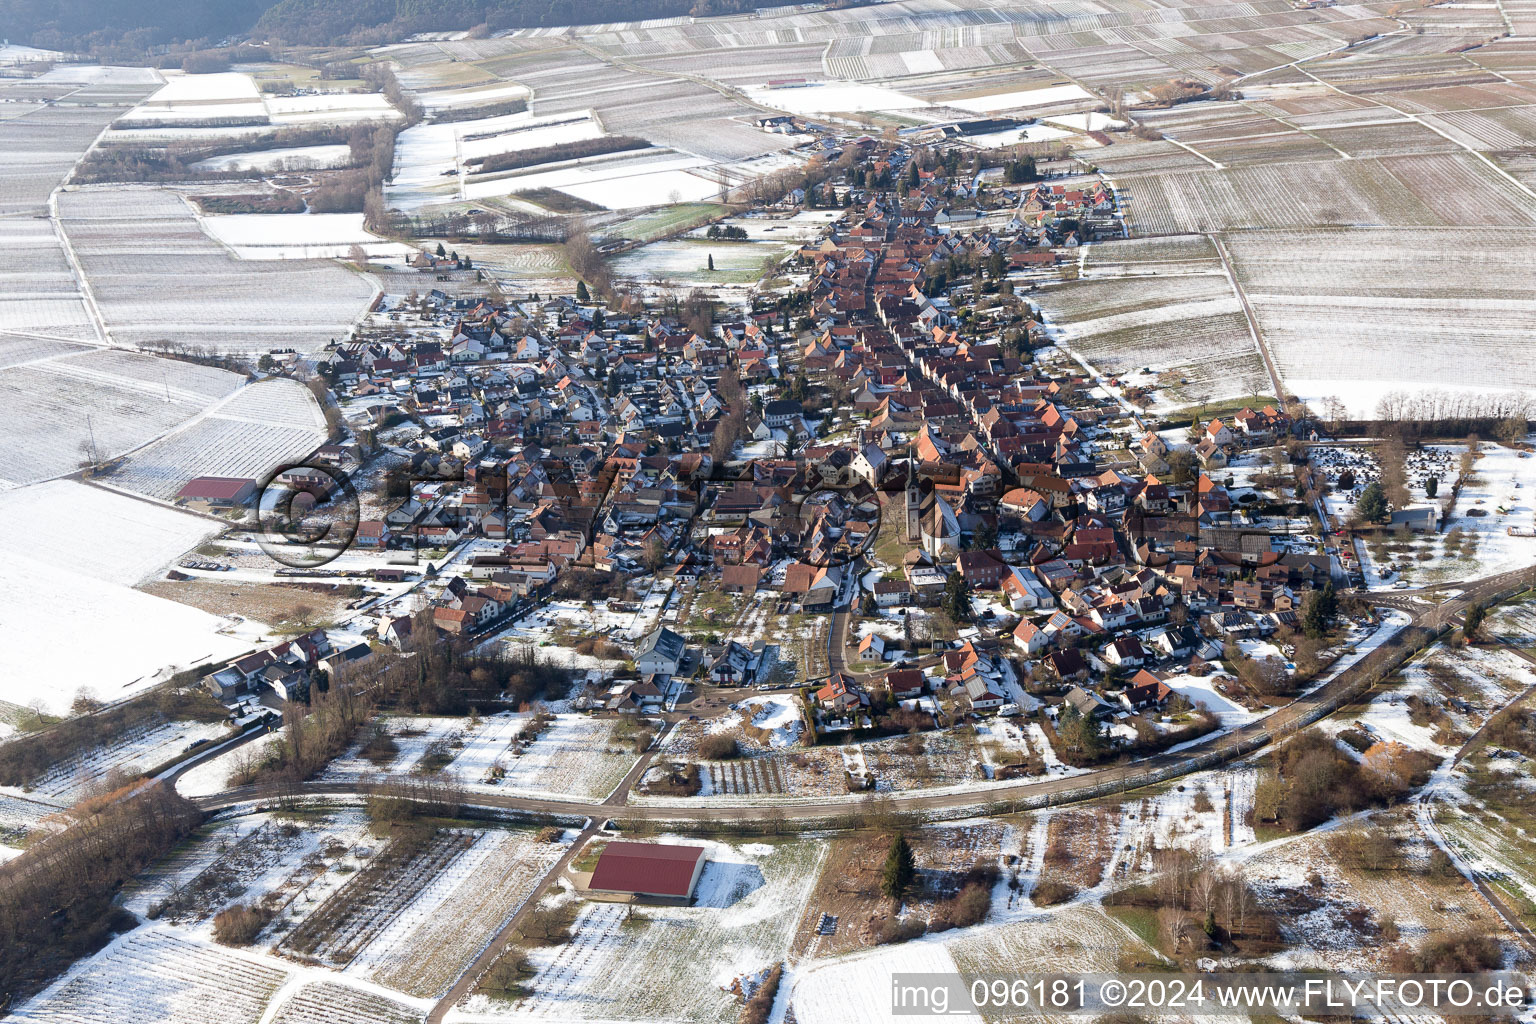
{"x": 660, "y": 653}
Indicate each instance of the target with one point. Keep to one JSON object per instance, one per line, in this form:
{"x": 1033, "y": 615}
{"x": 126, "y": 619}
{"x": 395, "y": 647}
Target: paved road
{"x": 509, "y": 931}
{"x": 1427, "y": 624}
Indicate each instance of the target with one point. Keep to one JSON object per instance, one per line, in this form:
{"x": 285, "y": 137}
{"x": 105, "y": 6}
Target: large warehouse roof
{"x": 651, "y": 868}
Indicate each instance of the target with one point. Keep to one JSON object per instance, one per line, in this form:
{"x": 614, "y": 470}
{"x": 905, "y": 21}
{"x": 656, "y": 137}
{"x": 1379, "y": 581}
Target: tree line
{"x": 431, "y": 677}
{"x": 56, "y": 898}
{"x": 577, "y": 150}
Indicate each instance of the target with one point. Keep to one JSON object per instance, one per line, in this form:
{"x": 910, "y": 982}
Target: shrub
{"x": 719, "y": 747}
{"x": 1051, "y": 891}
{"x": 1465, "y": 952}
{"x": 761, "y": 1004}
{"x": 898, "y": 930}
{"x": 239, "y": 925}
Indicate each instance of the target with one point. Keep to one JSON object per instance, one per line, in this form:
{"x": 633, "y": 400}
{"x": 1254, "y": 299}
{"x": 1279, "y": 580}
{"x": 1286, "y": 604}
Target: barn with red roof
{"x": 648, "y": 869}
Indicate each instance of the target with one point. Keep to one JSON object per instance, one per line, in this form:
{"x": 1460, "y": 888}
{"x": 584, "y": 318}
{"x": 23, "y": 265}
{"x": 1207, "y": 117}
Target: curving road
{"x": 1428, "y": 624}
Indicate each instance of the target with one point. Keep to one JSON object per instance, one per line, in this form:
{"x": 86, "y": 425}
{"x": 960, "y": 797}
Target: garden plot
{"x": 565, "y": 622}
{"x": 157, "y": 278}
{"x": 256, "y": 430}
{"x": 135, "y": 640}
{"x": 575, "y": 756}
{"x": 412, "y": 737}
{"x": 299, "y": 236}
{"x": 356, "y": 914}
{"x": 763, "y": 772}
{"x": 95, "y": 532}
{"x": 1333, "y": 912}
{"x": 1389, "y": 328}
{"x": 295, "y": 158}
{"x": 675, "y": 962}
{"x": 153, "y": 976}
{"x": 430, "y": 943}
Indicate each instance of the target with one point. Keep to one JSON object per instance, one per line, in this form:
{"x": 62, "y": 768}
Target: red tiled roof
{"x": 218, "y": 488}
{"x": 654, "y": 868}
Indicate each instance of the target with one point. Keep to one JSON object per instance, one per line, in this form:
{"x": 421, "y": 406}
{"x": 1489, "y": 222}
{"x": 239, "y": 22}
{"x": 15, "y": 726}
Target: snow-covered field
{"x": 69, "y": 781}
{"x": 829, "y": 98}
{"x": 575, "y": 756}
{"x": 676, "y": 963}
{"x": 155, "y": 976}
{"x": 96, "y": 532}
{"x": 212, "y": 775}
{"x": 65, "y": 401}
{"x": 298, "y": 236}
{"x": 259, "y": 428}
{"x": 434, "y": 100}
{"x": 63, "y": 631}
{"x": 441, "y": 931}
{"x": 1021, "y": 98}
{"x": 157, "y": 277}
{"x": 231, "y": 99}
{"x": 297, "y": 158}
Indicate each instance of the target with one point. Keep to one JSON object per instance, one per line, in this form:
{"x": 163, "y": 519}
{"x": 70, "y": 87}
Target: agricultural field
{"x": 95, "y": 532}
{"x": 42, "y": 143}
{"x": 158, "y": 278}
{"x": 136, "y": 640}
{"x": 432, "y": 940}
{"x": 299, "y": 236}
{"x": 1403, "y": 310}
{"x": 136, "y": 751}
{"x": 1445, "y": 190}
{"x": 572, "y": 755}
{"x": 677, "y": 962}
{"x": 253, "y": 432}
{"x": 128, "y": 398}
{"x": 1185, "y": 325}
{"x": 154, "y": 976}
{"x": 232, "y": 100}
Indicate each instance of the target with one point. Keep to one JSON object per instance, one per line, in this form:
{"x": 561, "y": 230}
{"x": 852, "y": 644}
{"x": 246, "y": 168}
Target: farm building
{"x": 648, "y": 869}
{"x": 217, "y": 491}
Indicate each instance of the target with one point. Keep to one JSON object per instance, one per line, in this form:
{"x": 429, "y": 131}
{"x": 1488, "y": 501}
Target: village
{"x": 884, "y": 492}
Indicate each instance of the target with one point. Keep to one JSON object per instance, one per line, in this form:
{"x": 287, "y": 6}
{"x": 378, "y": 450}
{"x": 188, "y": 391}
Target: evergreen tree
{"x": 957, "y": 597}
{"x": 711, "y": 262}
{"x": 1472, "y": 622}
{"x": 1318, "y": 611}
{"x": 899, "y": 868}
{"x": 1372, "y": 506}
{"x": 440, "y": 250}
{"x": 582, "y": 295}
{"x": 1431, "y": 486}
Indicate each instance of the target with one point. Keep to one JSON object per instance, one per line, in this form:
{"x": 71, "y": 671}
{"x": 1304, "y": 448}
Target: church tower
{"x": 914, "y": 500}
